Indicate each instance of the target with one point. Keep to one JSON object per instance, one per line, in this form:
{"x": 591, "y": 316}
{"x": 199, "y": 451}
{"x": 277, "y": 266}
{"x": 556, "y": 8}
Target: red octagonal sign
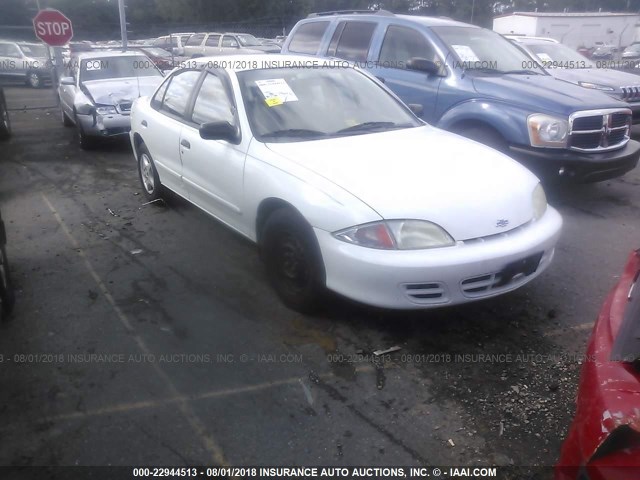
{"x": 52, "y": 27}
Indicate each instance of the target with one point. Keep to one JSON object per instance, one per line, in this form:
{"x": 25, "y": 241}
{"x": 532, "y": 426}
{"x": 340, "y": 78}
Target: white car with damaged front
{"x": 341, "y": 186}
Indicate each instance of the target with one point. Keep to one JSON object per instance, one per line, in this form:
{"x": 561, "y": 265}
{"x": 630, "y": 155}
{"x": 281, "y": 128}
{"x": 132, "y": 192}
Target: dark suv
{"x": 474, "y": 82}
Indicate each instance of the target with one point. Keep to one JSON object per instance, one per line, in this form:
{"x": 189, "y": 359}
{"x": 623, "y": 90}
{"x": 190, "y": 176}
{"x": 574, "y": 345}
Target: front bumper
{"x": 577, "y": 166}
{"x": 105, "y": 125}
{"x": 421, "y": 279}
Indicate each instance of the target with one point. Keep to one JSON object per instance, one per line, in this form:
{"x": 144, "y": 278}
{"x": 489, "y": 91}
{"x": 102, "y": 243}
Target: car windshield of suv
{"x": 481, "y": 50}
{"x": 247, "y": 40}
{"x": 297, "y": 104}
{"x": 556, "y": 55}
{"x": 635, "y": 48}
{"x": 117, "y": 67}
{"x": 34, "y": 51}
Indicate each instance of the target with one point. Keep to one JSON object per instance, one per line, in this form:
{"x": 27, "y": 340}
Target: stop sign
{"x": 52, "y": 27}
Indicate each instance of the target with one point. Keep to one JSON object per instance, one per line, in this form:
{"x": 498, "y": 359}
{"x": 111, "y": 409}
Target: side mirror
{"x": 423, "y": 65}
{"x": 416, "y": 108}
{"x": 67, "y": 81}
{"x": 219, "y": 131}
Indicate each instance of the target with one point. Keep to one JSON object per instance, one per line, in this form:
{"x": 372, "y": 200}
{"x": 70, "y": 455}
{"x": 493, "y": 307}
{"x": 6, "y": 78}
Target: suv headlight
{"x": 397, "y": 235}
{"x": 547, "y": 131}
{"x": 539, "y": 200}
{"x": 595, "y": 86}
{"x": 108, "y": 110}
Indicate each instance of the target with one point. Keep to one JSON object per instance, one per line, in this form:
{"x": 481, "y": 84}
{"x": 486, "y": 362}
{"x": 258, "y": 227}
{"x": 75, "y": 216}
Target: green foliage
{"x": 101, "y": 16}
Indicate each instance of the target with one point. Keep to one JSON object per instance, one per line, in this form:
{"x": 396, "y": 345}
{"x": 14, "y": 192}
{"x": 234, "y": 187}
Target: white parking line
{"x": 163, "y": 402}
{"x": 182, "y": 401}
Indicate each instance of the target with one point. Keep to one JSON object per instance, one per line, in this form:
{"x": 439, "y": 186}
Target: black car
{"x": 5, "y": 123}
{"x": 7, "y": 296}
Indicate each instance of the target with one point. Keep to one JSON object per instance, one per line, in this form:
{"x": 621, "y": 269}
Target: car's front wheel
{"x": 86, "y": 142}
{"x": 66, "y": 121}
{"x": 293, "y": 260}
{"x": 34, "y": 80}
{"x": 148, "y": 174}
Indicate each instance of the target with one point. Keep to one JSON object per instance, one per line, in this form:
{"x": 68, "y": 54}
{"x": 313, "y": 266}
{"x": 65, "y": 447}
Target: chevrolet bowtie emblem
{"x": 503, "y": 222}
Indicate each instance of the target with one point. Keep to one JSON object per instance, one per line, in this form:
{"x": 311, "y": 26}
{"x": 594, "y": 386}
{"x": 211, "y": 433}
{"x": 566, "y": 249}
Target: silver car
{"x": 566, "y": 64}
{"x": 97, "y": 93}
{"x": 26, "y": 62}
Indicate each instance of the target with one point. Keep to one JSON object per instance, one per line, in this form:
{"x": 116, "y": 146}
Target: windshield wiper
{"x": 294, "y": 132}
{"x": 372, "y": 127}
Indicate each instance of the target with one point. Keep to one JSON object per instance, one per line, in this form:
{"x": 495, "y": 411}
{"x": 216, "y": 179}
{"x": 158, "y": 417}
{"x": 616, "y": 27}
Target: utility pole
{"x": 123, "y": 24}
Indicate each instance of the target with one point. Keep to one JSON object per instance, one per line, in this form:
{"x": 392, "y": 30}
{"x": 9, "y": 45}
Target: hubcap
{"x": 294, "y": 269}
{"x": 34, "y": 80}
{"x": 146, "y": 172}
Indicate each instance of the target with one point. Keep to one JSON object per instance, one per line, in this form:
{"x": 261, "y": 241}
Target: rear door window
{"x": 307, "y": 38}
{"x": 195, "y": 40}
{"x": 354, "y": 41}
{"x": 213, "y": 41}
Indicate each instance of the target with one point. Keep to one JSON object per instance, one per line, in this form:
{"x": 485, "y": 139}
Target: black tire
{"x": 5, "y": 122}
{"x": 7, "y": 294}
{"x": 34, "y": 80}
{"x": 486, "y": 135}
{"x": 86, "y": 142}
{"x": 66, "y": 121}
{"x": 293, "y": 260}
{"x": 148, "y": 175}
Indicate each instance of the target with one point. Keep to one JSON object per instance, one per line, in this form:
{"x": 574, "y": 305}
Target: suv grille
{"x": 631, "y": 94}
{"x": 599, "y": 130}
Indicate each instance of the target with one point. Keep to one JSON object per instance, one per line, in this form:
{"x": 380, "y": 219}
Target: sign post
{"x": 54, "y": 29}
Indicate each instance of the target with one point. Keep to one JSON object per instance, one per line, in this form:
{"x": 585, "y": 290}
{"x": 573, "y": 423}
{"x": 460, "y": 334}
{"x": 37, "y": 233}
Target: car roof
{"x": 531, "y": 40}
{"x": 239, "y": 63}
{"x": 425, "y": 21}
{"x": 108, "y": 54}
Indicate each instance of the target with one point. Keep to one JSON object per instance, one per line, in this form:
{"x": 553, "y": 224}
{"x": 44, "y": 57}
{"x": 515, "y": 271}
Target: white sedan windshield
{"x": 310, "y": 103}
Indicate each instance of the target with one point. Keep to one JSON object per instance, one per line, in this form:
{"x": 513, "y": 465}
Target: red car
{"x": 604, "y": 438}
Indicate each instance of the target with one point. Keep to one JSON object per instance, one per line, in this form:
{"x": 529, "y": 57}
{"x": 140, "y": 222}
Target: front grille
{"x": 631, "y": 94}
{"x": 508, "y": 278}
{"x": 599, "y": 130}
{"x": 426, "y": 293}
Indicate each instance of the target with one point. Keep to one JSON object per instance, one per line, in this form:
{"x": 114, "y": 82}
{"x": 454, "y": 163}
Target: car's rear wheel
{"x": 34, "y": 80}
{"x": 7, "y": 295}
{"x": 293, "y": 260}
{"x": 148, "y": 174}
{"x": 5, "y": 122}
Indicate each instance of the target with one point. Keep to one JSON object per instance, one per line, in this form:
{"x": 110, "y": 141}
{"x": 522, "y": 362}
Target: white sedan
{"x": 341, "y": 185}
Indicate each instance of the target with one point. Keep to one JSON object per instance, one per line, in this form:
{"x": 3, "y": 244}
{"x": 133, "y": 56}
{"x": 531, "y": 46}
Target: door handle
{"x": 185, "y": 144}
{"x": 143, "y": 123}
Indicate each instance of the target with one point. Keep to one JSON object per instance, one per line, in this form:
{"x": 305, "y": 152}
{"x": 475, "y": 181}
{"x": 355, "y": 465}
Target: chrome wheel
{"x": 34, "y": 80}
{"x": 146, "y": 173}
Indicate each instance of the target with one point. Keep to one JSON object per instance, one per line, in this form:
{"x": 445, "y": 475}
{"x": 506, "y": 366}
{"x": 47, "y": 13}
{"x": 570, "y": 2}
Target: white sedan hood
{"x": 424, "y": 173}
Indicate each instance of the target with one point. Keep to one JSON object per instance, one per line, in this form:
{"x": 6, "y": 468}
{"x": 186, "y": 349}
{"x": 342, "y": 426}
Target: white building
{"x": 573, "y": 29}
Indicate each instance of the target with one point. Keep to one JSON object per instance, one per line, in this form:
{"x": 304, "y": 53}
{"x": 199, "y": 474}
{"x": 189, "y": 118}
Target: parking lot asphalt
{"x": 148, "y": 334}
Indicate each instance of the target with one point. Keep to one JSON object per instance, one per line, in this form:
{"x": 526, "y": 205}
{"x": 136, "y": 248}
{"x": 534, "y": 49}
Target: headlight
{"x": 397, "y": 235}
{"x": 595, "y": 86}
{"x": 539, "y": 200}
{"x": 109, "y": 110}
{"x": 547, "y": 131}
